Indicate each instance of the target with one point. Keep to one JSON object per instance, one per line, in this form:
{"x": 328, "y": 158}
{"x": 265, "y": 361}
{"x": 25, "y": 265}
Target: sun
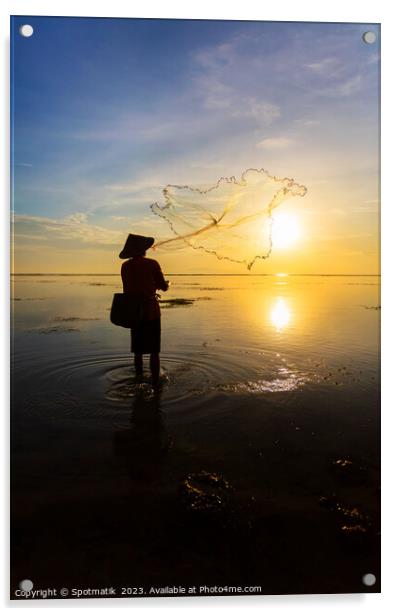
{"x": 286, "y": 230}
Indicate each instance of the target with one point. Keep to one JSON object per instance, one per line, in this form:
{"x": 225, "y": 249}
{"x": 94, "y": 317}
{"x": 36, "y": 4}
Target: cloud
{"x": 36, "y": 238}
{"x": 220, "y": 56}
{"x": 307, "y": 122}
{"x": 77, "y": 218}
{"x": 341, "y": 88}
{"x": 216, "y": 94}
{"x": 260, "y": 110}
{"x": 374, "y": 58}
{"x": 276, "y": 143}
{"x": 336, "y": 75}
{"x": 77, "y": 232}
{"x": 349, "y": 86}
{"x": 329, "y": 66}
{"x": 220, "y": 81}
{"x": 73, "y": 228}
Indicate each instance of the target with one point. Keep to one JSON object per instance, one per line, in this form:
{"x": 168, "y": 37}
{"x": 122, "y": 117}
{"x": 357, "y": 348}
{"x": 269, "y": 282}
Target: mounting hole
{"x": 369, "y": 37}
{"x": 369, "y": 579}
{"x": 26, "y": 30}
{"x": 26, "y": 585}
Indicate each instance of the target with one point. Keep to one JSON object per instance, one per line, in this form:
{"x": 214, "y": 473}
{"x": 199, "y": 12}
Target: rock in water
{"x": 207, "y": 496}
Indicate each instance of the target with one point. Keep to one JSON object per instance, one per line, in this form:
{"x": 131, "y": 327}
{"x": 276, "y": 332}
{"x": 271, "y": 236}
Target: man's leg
{"x": 138, "y": 361}
{"x": 155, "y": 367}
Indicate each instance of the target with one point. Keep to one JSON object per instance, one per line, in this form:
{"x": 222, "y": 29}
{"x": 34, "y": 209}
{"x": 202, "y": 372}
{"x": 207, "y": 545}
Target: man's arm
{"x": 160, "y": 281}
{"x": 124, "y": 276}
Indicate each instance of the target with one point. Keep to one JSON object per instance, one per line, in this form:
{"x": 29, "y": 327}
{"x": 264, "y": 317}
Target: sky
{"x": 107, "y": 112}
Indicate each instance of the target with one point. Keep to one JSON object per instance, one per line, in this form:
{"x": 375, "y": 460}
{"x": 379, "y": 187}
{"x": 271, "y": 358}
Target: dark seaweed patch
{"x": 69, "y": 319}
{"x": 56, "y": 330}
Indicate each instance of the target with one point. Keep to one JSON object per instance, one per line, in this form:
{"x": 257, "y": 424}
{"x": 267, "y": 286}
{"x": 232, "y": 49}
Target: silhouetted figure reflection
{"x": 142, "y": 277}
{"x": 143, "y": 446}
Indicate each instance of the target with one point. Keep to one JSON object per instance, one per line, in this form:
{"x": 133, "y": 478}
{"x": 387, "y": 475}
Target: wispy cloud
{"x": 216, "y": 95}
{"x": 218, "y": 83}
{"x": 329, "y": 66}
{"x": 349, "y": 86}
{"x": 307, "y": 122}
{"x": 261, "y": 110}
{"x": 77, "y": 231}
{"x": 220, "y": 56}
{"x": 220, "y": 97}
{"x": 276, "y": 143}
{"x": 334, "y": 77}
{"x": 72, "y": 228}
{"x": 76, "y": 219}
{"x": 374, "y": 58}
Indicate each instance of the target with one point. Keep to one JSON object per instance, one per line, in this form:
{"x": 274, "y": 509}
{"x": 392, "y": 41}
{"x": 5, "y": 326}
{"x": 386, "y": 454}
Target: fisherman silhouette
{"x": 142, "y": 277}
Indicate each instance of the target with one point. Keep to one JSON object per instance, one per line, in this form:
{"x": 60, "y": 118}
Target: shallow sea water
{"x": 265, "y": 380}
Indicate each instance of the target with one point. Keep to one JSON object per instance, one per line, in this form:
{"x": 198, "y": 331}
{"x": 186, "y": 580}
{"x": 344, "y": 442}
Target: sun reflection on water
{"x": 280, "y": 314}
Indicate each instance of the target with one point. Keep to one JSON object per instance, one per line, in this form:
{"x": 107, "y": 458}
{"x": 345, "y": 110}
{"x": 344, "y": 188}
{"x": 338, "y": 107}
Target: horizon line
{"x": 184, "y": 274}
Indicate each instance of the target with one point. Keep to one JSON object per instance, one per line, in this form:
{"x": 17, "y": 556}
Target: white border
{"x": 284, "y": 10}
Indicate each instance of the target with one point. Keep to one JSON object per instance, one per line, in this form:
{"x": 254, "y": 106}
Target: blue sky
{"x": 106, "y": 112}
